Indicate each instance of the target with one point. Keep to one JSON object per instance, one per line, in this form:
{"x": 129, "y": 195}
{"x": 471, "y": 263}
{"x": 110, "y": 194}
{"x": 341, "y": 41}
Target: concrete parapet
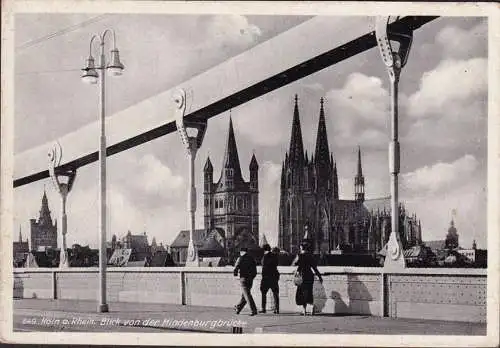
{"x": 442, "y": 294}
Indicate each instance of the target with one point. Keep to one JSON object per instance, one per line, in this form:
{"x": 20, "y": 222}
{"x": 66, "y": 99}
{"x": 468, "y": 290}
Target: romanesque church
{"x": 231, "y": 209}
{"x": 309, "y": 201}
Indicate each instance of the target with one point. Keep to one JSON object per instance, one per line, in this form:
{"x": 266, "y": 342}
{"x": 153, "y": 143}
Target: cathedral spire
{"x": 322, "y": 152}
{"x": 335, "y": 182}
{"x": 20, "y": 235}
{"x": 359, "y": 181}
{"x": 360, "y": 169}
{"x": 296, "y": 153}
{"x": 231, "y": 159}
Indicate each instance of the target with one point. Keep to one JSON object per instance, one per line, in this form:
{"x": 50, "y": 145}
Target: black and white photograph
{"x": 283, "y": 173}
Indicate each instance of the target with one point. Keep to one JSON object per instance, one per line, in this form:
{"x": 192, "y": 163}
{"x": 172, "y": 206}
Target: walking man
{"x": 247, "y": 269}
{"x": 270, "y": 278}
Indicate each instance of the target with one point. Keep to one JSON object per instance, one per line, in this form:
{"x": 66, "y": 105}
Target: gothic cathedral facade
{"x": 309, "y": 199}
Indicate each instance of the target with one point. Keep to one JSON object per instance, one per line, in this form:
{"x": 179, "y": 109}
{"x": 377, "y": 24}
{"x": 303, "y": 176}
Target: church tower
{"x": 291, "y": 220}
{"x": 359, "y": 181}
{"x": 231, "y": 204}
{"x": 43, "y": 232}
{"x": 324, "y": 189}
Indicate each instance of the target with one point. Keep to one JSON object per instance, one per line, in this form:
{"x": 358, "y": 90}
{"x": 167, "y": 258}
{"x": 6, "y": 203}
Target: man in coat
{"x": 247, "y": 269}
{"x": 270, "y": 278}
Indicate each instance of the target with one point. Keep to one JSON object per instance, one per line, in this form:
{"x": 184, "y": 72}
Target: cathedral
{"x": 43, "y": 232}
{"x": 309, "y": 202}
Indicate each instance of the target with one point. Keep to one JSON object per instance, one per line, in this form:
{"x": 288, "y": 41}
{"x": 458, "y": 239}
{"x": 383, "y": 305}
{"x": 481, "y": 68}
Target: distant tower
{"x": 451, "y": 241}
{"x": 474, "y": 245}
{"x": 43, "y": 232}
{"x": 359, "y": 181}
{"x": 232, "y": 203}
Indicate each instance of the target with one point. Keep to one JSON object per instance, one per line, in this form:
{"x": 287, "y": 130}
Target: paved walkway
{"x": 72, "y": 315}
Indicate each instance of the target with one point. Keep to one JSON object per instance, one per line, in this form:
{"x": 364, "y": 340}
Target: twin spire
{"x": 326, "y": 167}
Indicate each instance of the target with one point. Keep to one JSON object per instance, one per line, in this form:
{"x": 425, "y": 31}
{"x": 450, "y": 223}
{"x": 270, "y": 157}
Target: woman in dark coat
{"x": 306, "y": 265}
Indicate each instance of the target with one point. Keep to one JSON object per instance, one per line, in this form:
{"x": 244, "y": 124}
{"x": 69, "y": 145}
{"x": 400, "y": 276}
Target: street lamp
{"x": 63, "y": 182}
{"x": 191, "y": 133}
{"x": 91, "y": 75}
{"x": 394, "y": 48}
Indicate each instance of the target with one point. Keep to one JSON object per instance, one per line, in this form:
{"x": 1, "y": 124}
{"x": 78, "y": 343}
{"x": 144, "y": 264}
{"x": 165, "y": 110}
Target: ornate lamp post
{"x": 90, "y": 75}
{"x": 394, "y": 48}
{"x": 63, "y": 182}
{"x": 191, "y": 133}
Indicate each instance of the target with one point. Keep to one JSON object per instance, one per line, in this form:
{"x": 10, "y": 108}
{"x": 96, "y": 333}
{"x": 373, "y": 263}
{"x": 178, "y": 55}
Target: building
{"x": 20, "y": 250}
{"x": 231, "y": 204}
{"x": 138, "y": 244}
{"x": 309, "y": 196}
{"x": 474, "y": 256}
{"x": 208, "y": 243}
{"x": 43, "y": 231}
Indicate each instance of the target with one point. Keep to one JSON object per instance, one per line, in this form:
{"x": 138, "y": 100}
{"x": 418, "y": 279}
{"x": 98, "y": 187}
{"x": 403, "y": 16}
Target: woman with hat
{"x": 306, "y": 265}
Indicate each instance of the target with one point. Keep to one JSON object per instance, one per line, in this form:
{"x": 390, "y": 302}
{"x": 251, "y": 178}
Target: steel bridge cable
{"x": 46, "y": 71}
{"x": 60, "y": 32}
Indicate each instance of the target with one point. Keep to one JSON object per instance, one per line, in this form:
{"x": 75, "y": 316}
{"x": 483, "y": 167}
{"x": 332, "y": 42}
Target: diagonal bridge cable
{"x": 60, "y": 32}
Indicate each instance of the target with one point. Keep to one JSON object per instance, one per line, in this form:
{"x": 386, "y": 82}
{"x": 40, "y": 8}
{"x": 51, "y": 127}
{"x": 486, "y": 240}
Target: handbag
{"x": 297, "y": 278}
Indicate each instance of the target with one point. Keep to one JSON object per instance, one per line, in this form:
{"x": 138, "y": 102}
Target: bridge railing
{"x": 421, "y": 293}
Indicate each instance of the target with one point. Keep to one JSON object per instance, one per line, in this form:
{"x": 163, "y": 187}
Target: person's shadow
{"x": 358, "y": 297}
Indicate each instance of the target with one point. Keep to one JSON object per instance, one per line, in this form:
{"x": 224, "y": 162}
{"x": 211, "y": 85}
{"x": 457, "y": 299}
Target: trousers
{"x": 246, "y": 295}
{"x": 272, "y": 284}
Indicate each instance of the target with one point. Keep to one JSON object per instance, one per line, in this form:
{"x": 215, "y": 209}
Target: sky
{"x": 443, "y": 120}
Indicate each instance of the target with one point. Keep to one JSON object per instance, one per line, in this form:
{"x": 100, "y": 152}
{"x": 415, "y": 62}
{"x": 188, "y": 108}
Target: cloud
{"x": 449, "y": 89}
{"x": 231, "y": 30}
{"x": 360, "y": 111}
{"x": 462, "y": 43}
{"x": 266, "y": 123}
{"x": 469, "y": 202}
{"x": 449, "y": 110}
{"x": 157, "y": 177}
{"x": 431, "y": 179}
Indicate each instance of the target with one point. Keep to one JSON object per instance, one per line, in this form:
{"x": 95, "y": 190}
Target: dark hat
{"x": 243, "y": 249}
{"x": 266, "y": 247}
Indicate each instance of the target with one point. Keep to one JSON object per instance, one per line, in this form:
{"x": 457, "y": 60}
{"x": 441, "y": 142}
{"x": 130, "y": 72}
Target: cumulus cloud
{"x": 157, "y": 177}
{"x": 449, "y": 89}
{"x": 449, "y": 110}
{"x": 430, "y": 179}
{"x": 462, "y": 43}
{"x": 361, "y": 109}
{"x": 232, "y": 29}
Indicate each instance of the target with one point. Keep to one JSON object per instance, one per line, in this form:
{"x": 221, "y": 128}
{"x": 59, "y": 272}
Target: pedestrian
{"x": 247, "y": 269}
{"x": 270, "y": 278}
{"x": 306, "y": 265}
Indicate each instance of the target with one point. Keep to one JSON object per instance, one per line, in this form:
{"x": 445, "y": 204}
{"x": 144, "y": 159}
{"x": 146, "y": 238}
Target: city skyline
{"x": 443, "y": 128}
